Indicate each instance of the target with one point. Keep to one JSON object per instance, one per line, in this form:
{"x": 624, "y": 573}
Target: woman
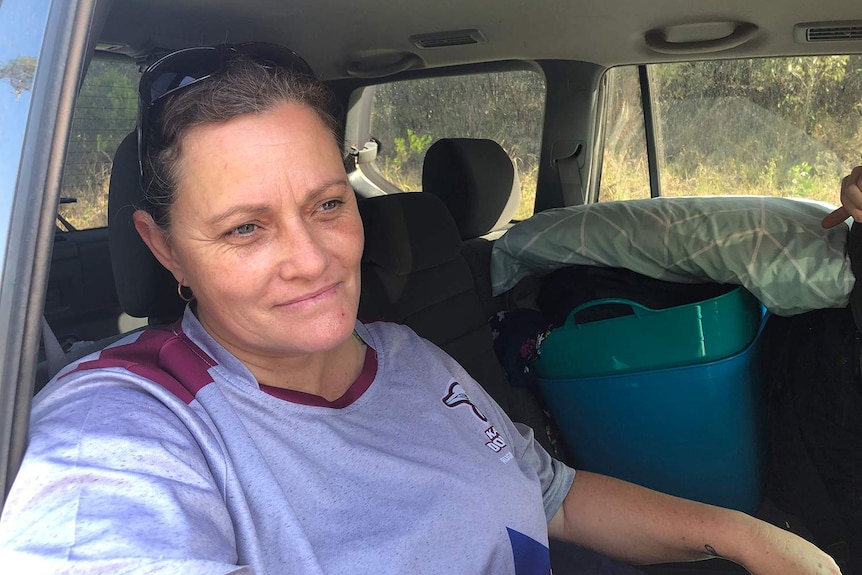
{"x": 270, "y": 432}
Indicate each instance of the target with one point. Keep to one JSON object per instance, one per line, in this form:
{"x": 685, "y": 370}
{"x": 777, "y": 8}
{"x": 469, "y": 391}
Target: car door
{"x": 41, "y": 57}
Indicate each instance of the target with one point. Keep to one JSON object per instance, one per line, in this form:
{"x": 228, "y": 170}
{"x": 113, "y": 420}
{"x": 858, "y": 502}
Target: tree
{"x": 19, "y": 72}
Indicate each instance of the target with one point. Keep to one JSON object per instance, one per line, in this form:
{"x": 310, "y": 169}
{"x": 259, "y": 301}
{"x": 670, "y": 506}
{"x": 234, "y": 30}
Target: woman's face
{"x": 266, "y": 232}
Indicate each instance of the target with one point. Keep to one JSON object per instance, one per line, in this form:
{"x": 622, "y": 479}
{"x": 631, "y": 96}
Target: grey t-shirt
{"x": 163, "y": 454}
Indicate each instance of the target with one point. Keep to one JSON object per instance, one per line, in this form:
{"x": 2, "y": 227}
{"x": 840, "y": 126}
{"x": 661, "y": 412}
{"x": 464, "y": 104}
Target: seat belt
{"x": 55, "y": 357}
{"x": 570, "y": 178}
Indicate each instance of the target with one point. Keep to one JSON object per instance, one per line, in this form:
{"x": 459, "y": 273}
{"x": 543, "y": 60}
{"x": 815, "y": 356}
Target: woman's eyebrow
{"x": 258, "y": 209}
{"x": 327, "y": 187}
{"x": 243, "y": 209}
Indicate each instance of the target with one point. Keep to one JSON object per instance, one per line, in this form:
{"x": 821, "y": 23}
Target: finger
{"x": 835, "y": 218}
{"x": 851, "y": 185}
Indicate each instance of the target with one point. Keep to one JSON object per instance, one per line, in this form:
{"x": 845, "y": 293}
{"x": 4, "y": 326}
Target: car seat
{"x": 413, "y": 272}
{"x": 145, "y": 288}
{"x": 476, "y": 180}
{"x": 479, "y": 184}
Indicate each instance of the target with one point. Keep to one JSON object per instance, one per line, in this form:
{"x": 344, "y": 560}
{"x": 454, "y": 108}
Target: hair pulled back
{"x": 244, "y": 87}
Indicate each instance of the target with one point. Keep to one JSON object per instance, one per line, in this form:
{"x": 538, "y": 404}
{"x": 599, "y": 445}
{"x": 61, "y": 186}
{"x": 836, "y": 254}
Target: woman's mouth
{"x": 311, "y": 298}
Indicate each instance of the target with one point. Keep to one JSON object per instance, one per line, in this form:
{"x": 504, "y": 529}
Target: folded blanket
{"x": 774, "y": 247}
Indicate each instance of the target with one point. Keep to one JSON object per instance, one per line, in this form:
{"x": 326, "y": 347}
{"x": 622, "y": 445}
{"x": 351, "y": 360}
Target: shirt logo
{"x": 497, "y": 442}
{"x": 457, "y": 396}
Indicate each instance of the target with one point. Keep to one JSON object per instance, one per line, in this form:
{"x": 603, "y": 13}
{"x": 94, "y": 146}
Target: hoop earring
{"x": 183, "y": 296}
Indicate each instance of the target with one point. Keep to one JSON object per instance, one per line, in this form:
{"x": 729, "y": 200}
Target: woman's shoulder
{"x": 391, "y": 337}
{"x": 148, "y": 379}
{"x": 163, "y": 361}
{"x": 399, "y": 347}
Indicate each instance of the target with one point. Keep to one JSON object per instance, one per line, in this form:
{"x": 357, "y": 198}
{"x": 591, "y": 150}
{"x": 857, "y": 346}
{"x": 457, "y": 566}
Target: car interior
{"x": 434, "y": 203}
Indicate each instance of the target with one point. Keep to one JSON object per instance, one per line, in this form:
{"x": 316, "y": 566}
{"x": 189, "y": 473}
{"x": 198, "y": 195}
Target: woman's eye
{"x": 243, "y": 230}
{"x": 330, "y": 205}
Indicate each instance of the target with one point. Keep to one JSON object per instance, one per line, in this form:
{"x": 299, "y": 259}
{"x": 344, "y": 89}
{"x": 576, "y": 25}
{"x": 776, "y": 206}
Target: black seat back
{"x": 144, "y": 287}
{"x": 413, "y": 272}
{"x": 480, "y": 187}
{"x": 476, "y": 180}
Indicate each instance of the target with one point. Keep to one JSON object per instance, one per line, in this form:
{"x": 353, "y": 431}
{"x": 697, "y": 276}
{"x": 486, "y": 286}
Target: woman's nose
{"x": 303, "y": 251}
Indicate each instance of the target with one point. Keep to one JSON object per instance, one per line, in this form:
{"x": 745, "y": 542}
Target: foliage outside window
{"x": 779, "y": 127}
{"x": 104, "y": 114}
{"x": 507, "y": 107}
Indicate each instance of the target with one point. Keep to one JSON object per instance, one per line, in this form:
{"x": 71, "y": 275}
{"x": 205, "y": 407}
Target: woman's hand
{"x": 851, "y": 200}
{"x": 772, "y": 550}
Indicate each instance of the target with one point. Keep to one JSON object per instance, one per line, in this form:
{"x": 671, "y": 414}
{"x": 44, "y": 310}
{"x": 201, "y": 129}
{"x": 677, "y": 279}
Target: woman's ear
{"x": 157, "y": 240}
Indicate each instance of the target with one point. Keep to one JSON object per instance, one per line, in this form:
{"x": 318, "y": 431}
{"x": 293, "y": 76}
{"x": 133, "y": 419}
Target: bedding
{"x": 774, "y": 247}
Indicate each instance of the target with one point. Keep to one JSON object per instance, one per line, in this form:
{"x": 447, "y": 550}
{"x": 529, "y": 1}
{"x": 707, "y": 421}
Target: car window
{"x": 625, "y": 168}
{"x": 777, "y": 126}
{"x": 105, "y": 113}
{"x": 507, "y": 107}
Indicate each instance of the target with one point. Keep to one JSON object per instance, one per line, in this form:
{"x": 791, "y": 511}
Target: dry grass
{"x": 630, "y": 180}
{"x": 91, "y": 208}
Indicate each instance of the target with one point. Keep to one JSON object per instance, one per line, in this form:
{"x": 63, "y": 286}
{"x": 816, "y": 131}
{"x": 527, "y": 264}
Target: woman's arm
{"x": 641, "y": 526}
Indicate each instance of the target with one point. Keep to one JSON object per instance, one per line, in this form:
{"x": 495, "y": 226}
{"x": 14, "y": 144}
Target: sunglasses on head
{"x": 183, "y": 68}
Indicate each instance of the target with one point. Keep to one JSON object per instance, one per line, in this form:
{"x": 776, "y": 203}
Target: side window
{"x": 779, "y": 126}
{"x": 507, "y": 107}
{"x": 105, "y": 112}
{"x": 625, "y": 169}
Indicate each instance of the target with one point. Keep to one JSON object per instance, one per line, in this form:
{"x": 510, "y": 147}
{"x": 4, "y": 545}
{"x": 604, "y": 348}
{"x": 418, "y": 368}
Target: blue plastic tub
{"x": 650, "y": 339}
{"x": 694, "y": 431}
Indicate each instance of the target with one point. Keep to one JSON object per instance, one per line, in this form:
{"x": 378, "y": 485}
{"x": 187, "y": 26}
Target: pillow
{"x": 774, "y": 247}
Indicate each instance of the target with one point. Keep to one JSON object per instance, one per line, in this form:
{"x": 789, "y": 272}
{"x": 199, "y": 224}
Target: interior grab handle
{"x": 656, "y": 40}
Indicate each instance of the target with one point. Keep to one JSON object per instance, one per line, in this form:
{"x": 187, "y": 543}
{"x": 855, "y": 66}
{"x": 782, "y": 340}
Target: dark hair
{"x": 244, "y": 87}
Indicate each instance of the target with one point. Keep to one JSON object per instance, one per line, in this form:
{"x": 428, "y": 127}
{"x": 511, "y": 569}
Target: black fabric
{"x": 411, "y": 234}
{"x": 438, "y": 302}
{"x": 473, "y": 178}
{"x": 517, "y": 333}
{"x": 815, "y": 404}
{"x": 144, "y": 287}
{"x": 854, "y": 250}
{"x": 569, "y": 287}
{"x": 583, "y": 561}
{"x": 477, "y": 252}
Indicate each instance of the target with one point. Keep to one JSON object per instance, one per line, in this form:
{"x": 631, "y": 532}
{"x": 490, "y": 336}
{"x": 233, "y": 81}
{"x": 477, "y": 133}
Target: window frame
{"x": 59, "y": 38}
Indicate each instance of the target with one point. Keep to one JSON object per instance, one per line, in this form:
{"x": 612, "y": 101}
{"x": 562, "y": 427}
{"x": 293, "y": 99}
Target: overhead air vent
{"x": 448, "y": 38}
{"x": 828, "y": 31}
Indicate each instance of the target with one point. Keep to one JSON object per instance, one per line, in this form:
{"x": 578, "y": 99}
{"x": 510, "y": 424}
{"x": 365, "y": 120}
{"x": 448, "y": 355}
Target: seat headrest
{"x": 408, "y": 232}
{"x": 476, "y": 180}
{"x": 144, "y": 287}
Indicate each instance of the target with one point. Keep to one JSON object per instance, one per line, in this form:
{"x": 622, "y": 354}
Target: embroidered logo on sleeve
{"x": 458, "y": 396}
